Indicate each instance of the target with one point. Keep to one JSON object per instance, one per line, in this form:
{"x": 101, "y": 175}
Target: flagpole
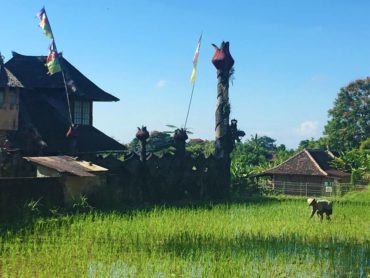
{"x": 61, "y": 67}
{"x": 187, "y": 114}
{"x": 67, "y": 97}
{"x": 193, "y": 77}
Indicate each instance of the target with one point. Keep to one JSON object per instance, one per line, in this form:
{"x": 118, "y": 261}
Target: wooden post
{"x": 306, "y": 189}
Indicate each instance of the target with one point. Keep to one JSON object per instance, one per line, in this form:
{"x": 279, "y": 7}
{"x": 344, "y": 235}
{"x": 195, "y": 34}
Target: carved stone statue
{"x": 142, "y": 135}
{"x": 180, "y": 136}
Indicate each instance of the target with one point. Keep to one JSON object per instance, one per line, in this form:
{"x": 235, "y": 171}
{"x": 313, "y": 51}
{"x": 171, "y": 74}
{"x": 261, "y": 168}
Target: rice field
{"x": 267, "y": 239}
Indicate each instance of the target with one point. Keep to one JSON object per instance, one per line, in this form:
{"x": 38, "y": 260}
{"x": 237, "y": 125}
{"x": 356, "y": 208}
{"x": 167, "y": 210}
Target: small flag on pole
{"x": 195, "y": 61}
{"x": 44, "y": 23}
{"x": 52, "y": 60}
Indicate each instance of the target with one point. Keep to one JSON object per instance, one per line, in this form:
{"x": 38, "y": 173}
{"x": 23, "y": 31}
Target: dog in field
{"x": 320, "y": 207}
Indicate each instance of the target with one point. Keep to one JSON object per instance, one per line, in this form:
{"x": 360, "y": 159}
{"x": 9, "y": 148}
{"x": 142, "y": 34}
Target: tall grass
{"x": 240, "y": 240}
{"x": 358, "y": 196}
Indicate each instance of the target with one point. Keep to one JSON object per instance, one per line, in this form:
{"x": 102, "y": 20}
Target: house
{"x": 308, "y": 172}
{"x": 10, "y": 88}
{"x": 41, "y": 113}
{"x": 78, "y": 177}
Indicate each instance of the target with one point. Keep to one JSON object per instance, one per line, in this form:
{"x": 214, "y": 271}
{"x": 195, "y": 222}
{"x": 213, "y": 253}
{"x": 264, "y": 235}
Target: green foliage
{"x": 196, "y": 147}
{"x": 81, "y": 204}
{"x": 356, "y": 162}
{"x": 32, "y": 208}
{"x": 158, "y": 142}
{"x": 253, "y": 157}
{"x": 349, "y": 120}
{"x": 358, "y": 196}
{"x": 258, "y": 154}
{"x": 365, "y": 145}
{"x": 242, "y": 185}
{"x": 260, "y": 239}
{"x": 312, "y": 144}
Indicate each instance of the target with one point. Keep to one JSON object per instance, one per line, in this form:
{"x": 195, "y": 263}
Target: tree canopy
{"x": 349, "y": 119}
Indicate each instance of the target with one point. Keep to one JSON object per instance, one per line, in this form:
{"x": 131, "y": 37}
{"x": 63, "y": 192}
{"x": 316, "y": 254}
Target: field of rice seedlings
{"x": 267, "y": 239}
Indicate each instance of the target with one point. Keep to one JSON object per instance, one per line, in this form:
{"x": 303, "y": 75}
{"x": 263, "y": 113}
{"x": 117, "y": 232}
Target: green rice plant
{"x": 273, "y": 238}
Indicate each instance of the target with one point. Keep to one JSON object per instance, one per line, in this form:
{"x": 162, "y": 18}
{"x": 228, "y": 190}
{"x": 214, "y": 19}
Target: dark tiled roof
{"x": 7, "y": 79}
{"x": 92, "y": 139}
{"x": 52, "y": 125}
{"x": 308, "y": 163}
{"x": 31, "y": 71}
{"x": 322, "y": 158}
{"x": 337, "y": 173}
{"x": 299, "y": 164}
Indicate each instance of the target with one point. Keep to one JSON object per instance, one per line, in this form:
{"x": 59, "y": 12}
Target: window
{"x": 12, "y": 99}
{"x": 2, "y": 98}
{"x": 77, "y": 112}
{"x": 86, "y": 113}
{"x": 82, "y": 112}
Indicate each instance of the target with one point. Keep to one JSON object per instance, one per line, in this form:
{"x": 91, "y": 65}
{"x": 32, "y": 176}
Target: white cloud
{"x": 161, "y": 83}
{"x": 308, "y": 128}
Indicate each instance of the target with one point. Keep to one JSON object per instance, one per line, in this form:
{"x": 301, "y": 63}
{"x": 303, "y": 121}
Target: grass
{"x": 272, "y": 238}
{"x": 358, "y": 196}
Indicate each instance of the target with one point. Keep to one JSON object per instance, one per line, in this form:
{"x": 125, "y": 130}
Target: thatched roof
{"x": 308, "y": 163}
{"x": 7, "y": 79}
{"x": 32, "y": 72}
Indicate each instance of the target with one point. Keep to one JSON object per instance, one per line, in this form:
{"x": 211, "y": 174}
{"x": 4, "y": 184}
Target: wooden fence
{"x": 313, "y": 189}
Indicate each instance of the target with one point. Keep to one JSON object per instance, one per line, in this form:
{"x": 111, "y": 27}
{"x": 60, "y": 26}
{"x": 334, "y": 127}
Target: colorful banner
{"x": 44, "y": 23}
{"x": 195, "y": 61}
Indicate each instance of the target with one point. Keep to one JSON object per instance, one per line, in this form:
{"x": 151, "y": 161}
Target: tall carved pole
{"x": 223, "y": 61}
{"x": 142, "y": 135}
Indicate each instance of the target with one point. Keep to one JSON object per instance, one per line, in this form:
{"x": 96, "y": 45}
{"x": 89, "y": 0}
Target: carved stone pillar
{"x": 142, "y": 135}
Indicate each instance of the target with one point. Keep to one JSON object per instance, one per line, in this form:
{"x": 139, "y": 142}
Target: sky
{"x": 291, "y": 59}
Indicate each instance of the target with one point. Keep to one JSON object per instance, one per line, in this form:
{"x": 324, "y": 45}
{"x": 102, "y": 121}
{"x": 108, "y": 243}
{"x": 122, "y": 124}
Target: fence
{"x": 313, "y": 189}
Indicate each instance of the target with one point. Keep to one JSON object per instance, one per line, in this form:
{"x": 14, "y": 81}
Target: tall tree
{"x": 349, "y": 119}
{"x": 320, "y": 143}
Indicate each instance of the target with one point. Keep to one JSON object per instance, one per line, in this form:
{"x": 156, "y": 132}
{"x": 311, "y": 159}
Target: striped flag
{"x": 195, "y": 61}
{"x": 44, "y": 23}
{"x": 52, "y": 63}
{"x": 52, "y": 60}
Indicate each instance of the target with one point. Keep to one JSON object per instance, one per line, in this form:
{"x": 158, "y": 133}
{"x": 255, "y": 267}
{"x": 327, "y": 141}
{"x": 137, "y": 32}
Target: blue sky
{"x": 291, "y": 59}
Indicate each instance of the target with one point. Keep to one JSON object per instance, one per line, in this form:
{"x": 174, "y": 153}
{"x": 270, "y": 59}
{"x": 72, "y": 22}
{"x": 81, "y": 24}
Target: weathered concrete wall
{"x": 74, "y": 187}
{"x": 15, "y": 192}
{"x": 53, "y": 191}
